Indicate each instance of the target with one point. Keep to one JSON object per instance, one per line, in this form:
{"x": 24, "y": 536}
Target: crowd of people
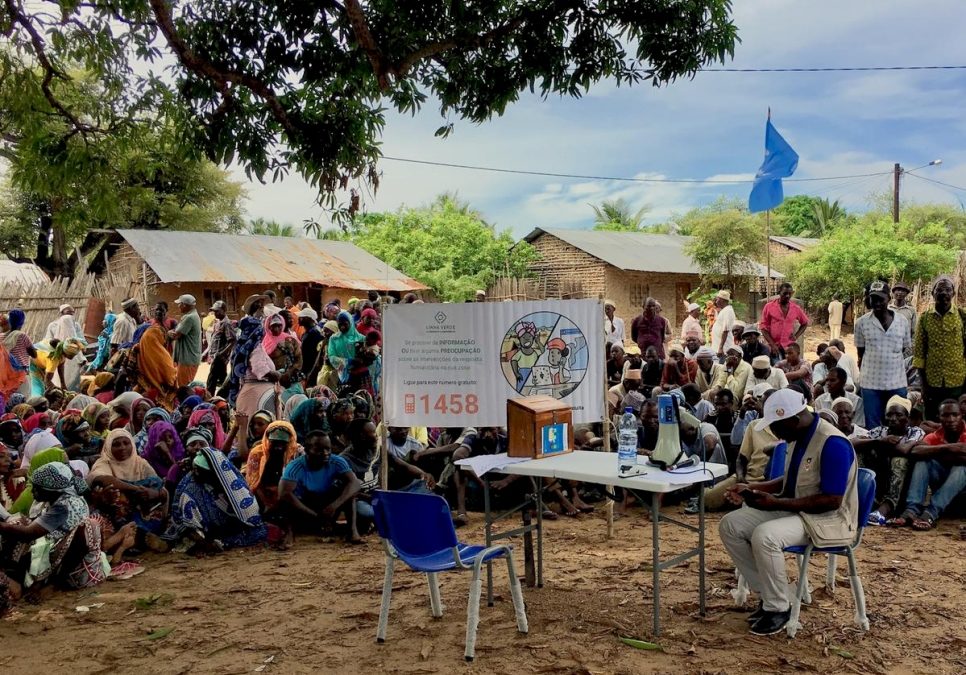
{"x": 114, "y": 448}
{"x": 794, "y": 430}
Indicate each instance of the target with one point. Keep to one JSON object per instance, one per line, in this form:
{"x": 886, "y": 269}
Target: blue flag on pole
{"x": 780, "y": 162}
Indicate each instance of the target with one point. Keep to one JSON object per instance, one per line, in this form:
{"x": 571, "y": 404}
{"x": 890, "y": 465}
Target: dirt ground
{"x": 314, "y": 609}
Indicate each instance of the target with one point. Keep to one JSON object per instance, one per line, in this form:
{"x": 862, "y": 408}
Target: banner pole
{"x": 609, "y": 509}
{"x": 768, "y": 253}
{"x": 381, "y": 397}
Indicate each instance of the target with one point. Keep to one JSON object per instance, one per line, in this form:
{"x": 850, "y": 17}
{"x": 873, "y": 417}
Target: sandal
{"x": 905, "y": 520}
{"x": 923, "y": 523}
{"x": 876, "y": 518}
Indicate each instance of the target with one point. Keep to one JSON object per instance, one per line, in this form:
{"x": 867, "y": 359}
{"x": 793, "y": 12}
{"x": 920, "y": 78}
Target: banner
{"x": 450, "y": 365}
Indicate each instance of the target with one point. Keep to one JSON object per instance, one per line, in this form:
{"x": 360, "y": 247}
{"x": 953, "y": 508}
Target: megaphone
{"x": 668, "y": 450}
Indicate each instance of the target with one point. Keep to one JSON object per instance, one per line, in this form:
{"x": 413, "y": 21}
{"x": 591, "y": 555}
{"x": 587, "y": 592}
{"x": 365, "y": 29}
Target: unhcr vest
{"x": 832, "y": 528}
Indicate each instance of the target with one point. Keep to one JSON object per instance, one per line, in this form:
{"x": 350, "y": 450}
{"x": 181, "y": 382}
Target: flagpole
{"x": 768, "y": 247}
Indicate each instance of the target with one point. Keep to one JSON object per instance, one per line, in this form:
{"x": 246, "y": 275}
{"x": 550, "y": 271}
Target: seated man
{"x": 828, "y": 358}
{"x": 695, "y": 404}
{"x": 652, "y": 371}
{"x": 702, "y": 440}
{"x": 885, "y": 450}
{"x": 616, "y": 394}
{"x": 707, "y": 373}
{"x": 835, "y": 383}
{"x": 797, "y": 371}
{"x": 486, "y": 441}
{"x": 315, "y": 488}
{"x": 404, "y": 475}
{"x": 752, "y": 345}
{"x": 941, "y": 466}
{"x": 678, "y": 370}
{"x": 723, "y": 418}
{"x": 844, "y": 411}
{"x": 735, "y": 373}
{"x": 815, "y": 501}
{"x": 692, "y": 343}
{"x": 762, "y": 372}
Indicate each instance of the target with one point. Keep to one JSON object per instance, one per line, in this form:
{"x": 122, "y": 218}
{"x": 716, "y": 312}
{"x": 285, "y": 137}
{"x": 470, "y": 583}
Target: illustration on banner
{"x": 544, "y": 353}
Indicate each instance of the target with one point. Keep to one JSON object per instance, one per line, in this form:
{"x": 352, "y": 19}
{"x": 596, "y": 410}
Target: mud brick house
{"x": 155, "y": 265}
{"x": 626, "y": 268}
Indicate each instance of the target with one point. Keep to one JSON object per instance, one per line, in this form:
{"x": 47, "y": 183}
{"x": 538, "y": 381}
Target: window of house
{"x": 639, "y": 292}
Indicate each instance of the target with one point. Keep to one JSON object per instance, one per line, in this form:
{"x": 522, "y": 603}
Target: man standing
{"x": 692, "y": 324}
{"x": 311, "y": 339}
{"x": 64, "y": 327}
{"x": 724, "y": 323}
{"x": 187, "y": 341}
{"x": 836, "y": 311}
{"x": 815, "y": 501}
{"x": 125, "y": 324}
{"x": 613, "y": 325}
{"x": 881, "y": 338}
{"x": 650, "y": 329}
{"x": 938, "y": 351}
{"x": 220, "y": 346}
{"x": 778, "y": 319}
{"x": 899, "y": 294}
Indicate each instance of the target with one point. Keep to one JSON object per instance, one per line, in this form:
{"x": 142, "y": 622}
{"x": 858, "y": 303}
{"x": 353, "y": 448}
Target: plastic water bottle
{"x": 627, "y": 440}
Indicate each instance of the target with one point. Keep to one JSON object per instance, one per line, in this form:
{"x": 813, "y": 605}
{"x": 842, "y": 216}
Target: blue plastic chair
{"x": 866, "y": 489}
{"x": 418, "y": 530}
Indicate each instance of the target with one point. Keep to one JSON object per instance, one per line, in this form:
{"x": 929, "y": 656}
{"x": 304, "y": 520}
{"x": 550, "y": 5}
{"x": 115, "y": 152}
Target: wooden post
{"x": 384, "y": 438}
{"x": 144, "y": 282}
{"x": 609, "y": 509}
{"x": 768, "y": 253}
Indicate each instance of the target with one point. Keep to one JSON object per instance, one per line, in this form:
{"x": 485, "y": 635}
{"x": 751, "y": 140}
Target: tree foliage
{"x": 617, "y": 215}
{"x": 794, "y": 216}
{"x": 854, "y": 255}
{"x": 298, "y": 85}
{"x": 726, "y": 245}
{"x": 271, "y": 228}
{"x": 446, "y": 246}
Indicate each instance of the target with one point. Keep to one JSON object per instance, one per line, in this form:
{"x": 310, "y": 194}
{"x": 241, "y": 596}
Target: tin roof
{"x": 21, "y": 273}
{"x": 796, "y": 243}
{"x": 180, "y": 257}
{"x": 634, "y": 251}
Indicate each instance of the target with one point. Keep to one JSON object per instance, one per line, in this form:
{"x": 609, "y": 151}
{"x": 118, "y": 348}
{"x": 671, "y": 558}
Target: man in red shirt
{"x": 778, "y": 319}
{"x": 941, "y": 466}
{"x": 650, "y": 329}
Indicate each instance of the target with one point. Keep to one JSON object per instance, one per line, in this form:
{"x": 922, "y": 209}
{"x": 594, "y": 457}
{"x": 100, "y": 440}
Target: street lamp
{"x": 897, "y": 171}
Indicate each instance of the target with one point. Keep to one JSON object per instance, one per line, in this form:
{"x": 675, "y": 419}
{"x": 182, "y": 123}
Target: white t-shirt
{"x": 725, "y": 321}
{"x": 614, "y": 331}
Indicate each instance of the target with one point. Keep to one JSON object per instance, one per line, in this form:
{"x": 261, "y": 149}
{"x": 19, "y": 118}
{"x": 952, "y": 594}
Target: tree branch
{"x": 357, "y": 19}
{"x": 402, "y": 68}
{"x": 220, "y": 77}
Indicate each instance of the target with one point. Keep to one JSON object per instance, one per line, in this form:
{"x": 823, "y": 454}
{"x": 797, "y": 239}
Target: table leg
{"x": 609, "y": 510}
{"x": 701, "y": 582}
{"x": 529, "y": 569}
{"x": 538, "y": 484}
{"x": 488, "y": 527}
{"x": 656, "y": 559}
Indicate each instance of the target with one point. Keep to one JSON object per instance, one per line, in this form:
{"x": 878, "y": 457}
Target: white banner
{"x": 456, "y": 365}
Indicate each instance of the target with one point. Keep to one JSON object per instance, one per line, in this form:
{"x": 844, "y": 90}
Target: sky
{"x": 708, "y": 127}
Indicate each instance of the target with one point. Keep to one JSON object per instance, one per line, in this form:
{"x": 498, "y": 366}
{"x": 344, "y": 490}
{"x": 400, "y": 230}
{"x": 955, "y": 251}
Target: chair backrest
{"x": 866, "y": 489}
{"x": 415, "y": 524}
{"x": 776, "y": 464}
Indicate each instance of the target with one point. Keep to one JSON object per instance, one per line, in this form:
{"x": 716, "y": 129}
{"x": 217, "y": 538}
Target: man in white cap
{"x": 724, "y": 322}
{"x": 692, "y": 324}
{"x": 816, "y": 500}
{"x": 187, "y": 341}
{"x": 708, "y": 371}
{"x": 64, "y": 327}
{"x": 734, "y": 373}
{"x": 125, "y": 323}
{"x": 613, "y": 325}
{"x": 762, "y": 372}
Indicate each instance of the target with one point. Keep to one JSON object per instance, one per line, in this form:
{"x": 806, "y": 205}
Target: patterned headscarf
{"x": 54, "y": 477}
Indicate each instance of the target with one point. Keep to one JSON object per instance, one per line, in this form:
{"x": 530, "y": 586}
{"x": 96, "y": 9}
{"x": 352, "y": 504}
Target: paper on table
{"x": 483, "y": 464}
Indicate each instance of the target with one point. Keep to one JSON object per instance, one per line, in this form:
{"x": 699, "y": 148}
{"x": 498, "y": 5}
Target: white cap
{"x": 64, "y": 308}
{"x": 761, "y": 362}
{"x": 310, "y": 313}
{"x": 186, "y": 300}
{"x": 781, "y": 405}
{"x": 693, "y": 306}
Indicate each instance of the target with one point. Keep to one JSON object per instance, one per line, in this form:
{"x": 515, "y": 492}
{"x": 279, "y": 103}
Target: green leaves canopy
{"x": 726, "y": 244}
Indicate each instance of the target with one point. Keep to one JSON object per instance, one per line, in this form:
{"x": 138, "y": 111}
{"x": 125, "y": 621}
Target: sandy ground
{"x": 314, "y": 609}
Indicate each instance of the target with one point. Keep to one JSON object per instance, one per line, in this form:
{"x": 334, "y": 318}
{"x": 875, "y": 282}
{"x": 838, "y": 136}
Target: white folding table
{"x": 601, "y": 468}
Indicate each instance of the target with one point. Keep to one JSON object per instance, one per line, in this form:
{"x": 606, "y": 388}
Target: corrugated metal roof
{"x": 211, "y": 257}
{"x": 635, "y": 251}
{"x": 797, "y": 243}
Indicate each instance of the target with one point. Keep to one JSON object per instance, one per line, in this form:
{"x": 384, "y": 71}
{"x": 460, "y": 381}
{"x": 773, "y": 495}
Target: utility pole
{"x": 896, "y": 172}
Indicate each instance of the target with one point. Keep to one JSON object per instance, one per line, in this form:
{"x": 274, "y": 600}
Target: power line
{"x": 626, "y": 179}
{"x": 932, "y": 180}
{"x": 838, "y": 69}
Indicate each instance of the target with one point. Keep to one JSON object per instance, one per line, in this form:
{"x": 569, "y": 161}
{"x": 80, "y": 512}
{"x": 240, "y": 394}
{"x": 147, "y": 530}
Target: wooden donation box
{"x": 538, "y": 426}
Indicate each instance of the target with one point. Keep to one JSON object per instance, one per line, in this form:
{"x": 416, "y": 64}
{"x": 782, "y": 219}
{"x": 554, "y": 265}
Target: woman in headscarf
{"x": 214, "y": 509}
{"x": 49, "y": 360}
{"x": 102, "y": 387}
{"x": 328, "y": 377}
{"x": 13, "y": 401}
{"x": 292, "y": 404}
{"x": 194, "y": 441}
{"x": 40, "y": 420}
{"x": 103, "y": 344}
{"x": 73, "y": 554}
{"x": 208, "y": 418}
{"x": 283, "y": 348}
{"x": 11, "y": 486}
{"x": 152, "y": 416}
{"x": 266, "y": 460}
{"x": 156, "y": 374}
{"x": 11, "y": 435}
{"x": 23, "y": 411}
{"x": 19, "y": 352}
{"x": 368, "y": 321}
{"x": 343, "y": 346}
{"x": 341, "y": 413}
{"x": 142, "y": 498}
{"x": 310, "y": 416}
{"x": 79, "y": 402}
{"x": 98, "y": 416}
{"x": 121, "y": 408}
{"x": 254, "y": 432}
{"x": 164, "y": 448}
{"x": 74, "y": 433}
{"x": 25, "y": 501}
{"x": 42, "y": 440}
{"x": 250, "y": 336}
{"x": 139, "y": 409}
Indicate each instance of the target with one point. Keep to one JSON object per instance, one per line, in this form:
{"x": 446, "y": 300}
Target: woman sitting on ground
{"x": 73, "y": 558}
{"x": 195, "y": 440}
{"x": 163, "y": 449}
{"x": 208, "y": 418}
{"x": 151, "y": 417}
{"x": 143, "y": 498}
{"x": 311, "y": 416}
{"x": 214, "y": 509}
{"x": 267, "y": 460}
{"x": 98, "y": 416}
{"x": 11, "y": 479}
{"x": 75, "y": 435}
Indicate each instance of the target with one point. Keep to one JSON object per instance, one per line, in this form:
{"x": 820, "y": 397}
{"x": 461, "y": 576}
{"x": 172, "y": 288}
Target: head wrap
{"x": 34, "y": 422}
{"x": 80, "y": 402}
{"x": 270, "y": 342}
{"x": 704, "y": 352}
{"x": 132, "y": 469}
{"x": 258, "y": 458}
{"x": 23, "y": 411}
{"x": 92, "y": 412}
{"x": 199, "y": 416}
{"x": 53, "y": 477}
{"x": 191, "y": 402}
{"x": 198, "y": 433}
{"x": 158, "y": 461}
{"x": 305, "y": 417}
{"x": 331, "y": 325}
{"x": 15, "y": 399}
{"x": 903, "y": 403}
{"x": 161, "y": 413}
{"x": 42, "y": 440}
{"x": 16, "y": 318}
{"x": 843, "y": 400}
{"x": 293, "y": 402}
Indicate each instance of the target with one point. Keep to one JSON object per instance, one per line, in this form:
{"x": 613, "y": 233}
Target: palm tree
{"x": 825, "y": 216}
{"x": 616, "y": 215}
{"x": 271, "y": 228}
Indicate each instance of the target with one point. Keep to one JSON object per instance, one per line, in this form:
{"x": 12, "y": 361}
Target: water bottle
{"x": 627, "y": 441}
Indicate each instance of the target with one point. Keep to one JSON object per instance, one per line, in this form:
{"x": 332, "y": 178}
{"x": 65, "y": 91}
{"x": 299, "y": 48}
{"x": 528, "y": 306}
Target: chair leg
{"x": 740, "y": 593}
{"x": 473, "y": 611}
{"x": 807, "y": 597}
{"x": 830, "y": 573}
{"x": 858, "y": 593}
{"x": 519, "y": 608}
{"x": 435, "y": 605}
{"x": 386, "y": 595}
{"x": 791, "y": 628}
